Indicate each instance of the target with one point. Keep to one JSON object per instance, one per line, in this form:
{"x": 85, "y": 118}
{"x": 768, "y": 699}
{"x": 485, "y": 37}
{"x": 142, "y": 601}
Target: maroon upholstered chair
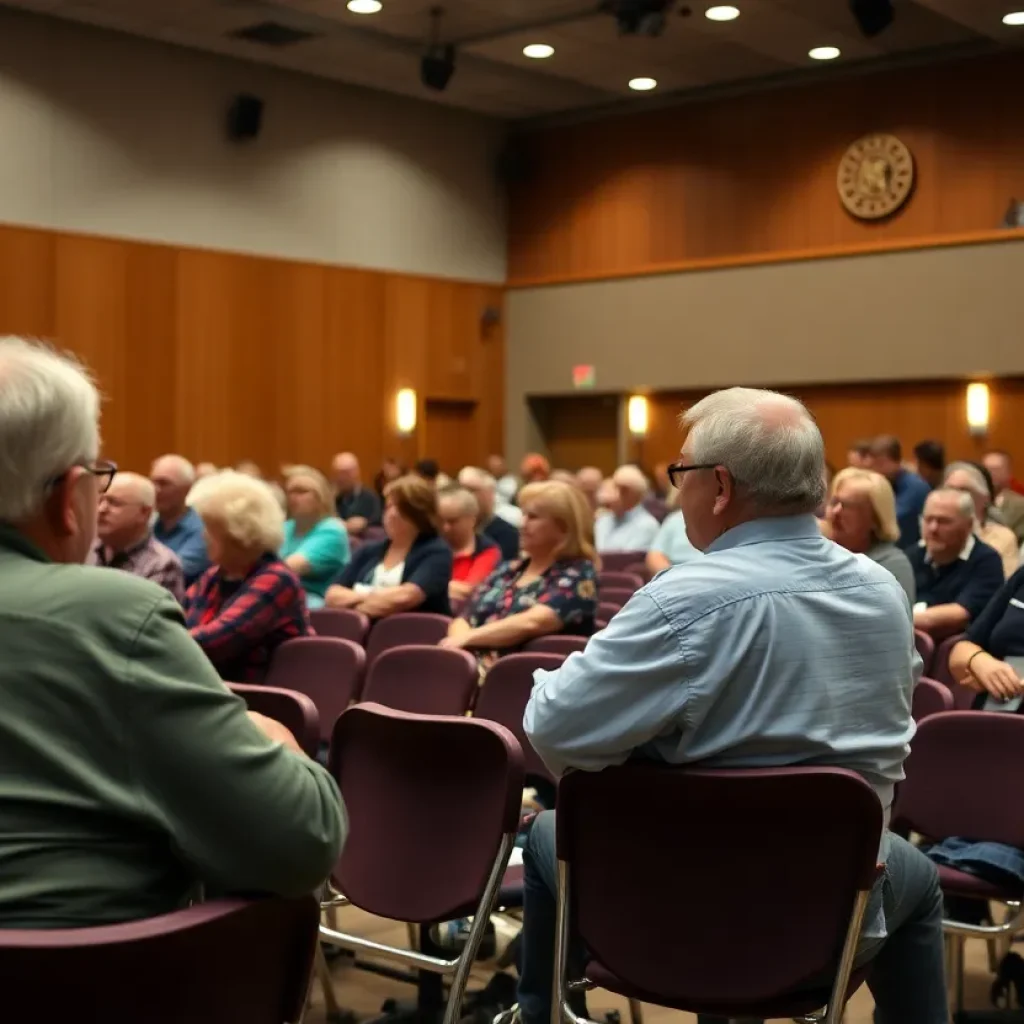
{"x": 424, "y": 680}
{"x": 617, "y": 596}
{"x": 433, "y": 806}
{"x": 940, "y": 662}
{"x": 605, "y": 613}
{"x": 423, "y": 628}
{"x": 326, "y": 669}
{"x": 714, "y": 913}
{"x": 658, "y": 508}
{"x": 505, "y": 694}
{"x": 227, "y": 960}
{"x": 956, "y": 785}
{"x": 619, "y": 580}
{"x": 343, "y": 623}
{"x": 930, "y": 698}
{"x": 295, "y": 711}
{"x": 638, "y": 569}
{"x": 557, "y": 643}
{"x": 926, "y": 648}
{"x": 621, "y": 561}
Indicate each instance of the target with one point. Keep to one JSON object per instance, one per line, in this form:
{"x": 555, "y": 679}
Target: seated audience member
{"x": 474, "y": 555}
{"x": 534, "y": 468}
{"x": 731, "y": 660}
{"x": 249, "y": 602}
{"x": 390, "y": 469}
{"x": 130, "y": 776}
{"x": 862, "y": 518}
{"x": 908, "y": 488}
{"x": 974, "y": 480}
{"x": 859, "y": 454}
{"x": 315, "y": 544}
{"x": 955, "y": 573}
{"x": 589, "y": 480}
{"x": 552, "y": 589}
{"x": 410, "y": 569}
{"x": 628, "y": 526}
{"x": 996, "y": 634}
{"x": 429, "y": 470}
{"x": 356, "y": 506}
{"x": 1009, "y": 503}
{"x": 250, "y": 468}
{"x": 492, "y": 524}
{"x": 930, "y": 462}
{"x": 204, "y": 469}
{"x": 506, "y": 484}
{"x": 125, "y": 539}
{"x": 178, "y": 526}
{"x": 671, "y": 546}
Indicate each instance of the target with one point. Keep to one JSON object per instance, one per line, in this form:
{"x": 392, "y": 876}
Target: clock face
{"x": 875, "y": 176}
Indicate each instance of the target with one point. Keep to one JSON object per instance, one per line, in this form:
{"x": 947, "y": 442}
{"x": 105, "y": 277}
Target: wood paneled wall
{"x": 223, "y": 357}
{"x": 756, "y": 174}
{"x": 913, "y": 411}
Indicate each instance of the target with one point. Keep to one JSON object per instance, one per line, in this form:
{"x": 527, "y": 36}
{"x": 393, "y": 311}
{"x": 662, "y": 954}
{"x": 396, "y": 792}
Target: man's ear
{"x": 725, "y": 490}
{"x": 59, "y": 508}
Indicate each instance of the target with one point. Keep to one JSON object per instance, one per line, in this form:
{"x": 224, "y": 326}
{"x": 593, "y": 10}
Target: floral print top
{"x": 568, "y": 588}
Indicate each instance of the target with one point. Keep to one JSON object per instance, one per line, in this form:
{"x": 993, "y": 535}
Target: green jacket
{"x": 129, "y": 773}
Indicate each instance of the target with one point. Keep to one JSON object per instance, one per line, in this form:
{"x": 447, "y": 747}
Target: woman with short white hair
{"x": 249, "y": 602}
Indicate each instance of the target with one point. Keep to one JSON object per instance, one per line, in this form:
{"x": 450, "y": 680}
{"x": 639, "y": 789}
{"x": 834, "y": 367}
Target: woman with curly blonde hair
{"x": 551, "y": 589}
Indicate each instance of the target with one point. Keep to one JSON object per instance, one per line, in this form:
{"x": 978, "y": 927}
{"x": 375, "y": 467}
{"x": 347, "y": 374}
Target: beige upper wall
{"x": 113, "y": 135}
{"x": 927, "y": 313}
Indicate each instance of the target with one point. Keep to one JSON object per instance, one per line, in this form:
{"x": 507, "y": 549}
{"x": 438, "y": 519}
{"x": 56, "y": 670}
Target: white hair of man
{"x": 138, "y": 486}
{"x": 963, "y": 501}
{"x": 182, "y": 470}
{"x": 464, "y": 499}
{"x": 245, "y": 506}
{"x": 768, "y": 442}
{"x": 630, "y": 478}
{"x": 49, "y": 422}
{"x": 478, "y": 479}
{"x": 976, "y": 482}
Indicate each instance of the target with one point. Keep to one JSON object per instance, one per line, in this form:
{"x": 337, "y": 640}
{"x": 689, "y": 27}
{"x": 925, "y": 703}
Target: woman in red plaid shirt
{"x": 249, "y": 602}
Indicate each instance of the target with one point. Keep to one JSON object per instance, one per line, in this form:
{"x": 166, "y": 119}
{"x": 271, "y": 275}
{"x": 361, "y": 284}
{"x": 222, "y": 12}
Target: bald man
{"x": 357, "y": 506}
{"x": 179, "y": 527}
{"x": 124, "y": 539}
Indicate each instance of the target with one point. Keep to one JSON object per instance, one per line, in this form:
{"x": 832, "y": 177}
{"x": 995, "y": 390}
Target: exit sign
{"x": 583, "y": 376}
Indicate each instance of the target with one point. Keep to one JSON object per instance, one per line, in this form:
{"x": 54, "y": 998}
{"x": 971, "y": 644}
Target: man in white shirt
{"x": 629, "y": 526}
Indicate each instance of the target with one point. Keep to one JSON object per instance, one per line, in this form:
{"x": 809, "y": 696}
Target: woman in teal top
{"x": 315, "y": 544}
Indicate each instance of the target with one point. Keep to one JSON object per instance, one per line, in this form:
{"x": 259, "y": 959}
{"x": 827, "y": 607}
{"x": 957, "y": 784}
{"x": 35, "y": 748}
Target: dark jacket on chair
{"x": 428, "y": 565}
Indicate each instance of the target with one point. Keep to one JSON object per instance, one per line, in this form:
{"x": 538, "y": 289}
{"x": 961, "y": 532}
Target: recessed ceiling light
{"x": 824, "y": 53}
{"x": 643, "y": 84}
{"x": 538, "y": 50}
{"x": 722, "y": 12}
{"x": 1014, "y": 18}
{"x": 364, "y": 6}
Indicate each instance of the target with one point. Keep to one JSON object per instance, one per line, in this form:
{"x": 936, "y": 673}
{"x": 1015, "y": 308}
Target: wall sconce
{"x": 405, "y": 411}
{"x": 977, "y": 409}
{"x": 636, "y": 415}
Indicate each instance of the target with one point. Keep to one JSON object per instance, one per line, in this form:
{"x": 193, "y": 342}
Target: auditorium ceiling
{"x": 591, "y": 66}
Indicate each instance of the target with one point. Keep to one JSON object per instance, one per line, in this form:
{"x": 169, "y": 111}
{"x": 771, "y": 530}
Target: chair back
{"x": 423, "y": 628}
{"x": 681, "y": 850}
{"x": 930, "y": 698}
{"x": 959, "y": 777}
{"x": 326, "y": 669}
{"x": 926, "y": 648}
{"x": 556, "y": 643}
{"x": 940, "y": 662}
{"x": 295, "y": 711}
{"x": 505, "y": 694}
{"x": 605, "y": 613}
{"x": 428, "y": 799}
{"x": 638, "y": 569}
{"x": 342, "y": 623}
{"x": 227, "y": 960}
{"x": 617, "y": 596}
{"x": 423, "y": 680}
{"x": 658, "y": 508}
{"x": 621, "y": 561}
{"x": 618, "y": 580}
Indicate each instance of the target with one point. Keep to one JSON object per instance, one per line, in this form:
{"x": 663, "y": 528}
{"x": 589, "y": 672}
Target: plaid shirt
{"x": 239, "y": 623}
{"x": 149, "y": 559}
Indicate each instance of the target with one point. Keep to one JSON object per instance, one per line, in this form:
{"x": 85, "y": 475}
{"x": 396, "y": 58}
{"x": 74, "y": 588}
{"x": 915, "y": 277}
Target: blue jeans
{"x": 907, "y": 976}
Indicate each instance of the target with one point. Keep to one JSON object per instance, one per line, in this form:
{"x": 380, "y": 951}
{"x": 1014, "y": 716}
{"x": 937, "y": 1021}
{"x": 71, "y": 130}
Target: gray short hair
{"x": 964, "y": 502}
{"x": 977, "y": 484}
{"x": 768, "y": 442}
{"x": 632, "y": 478}
{"x": 49, "y": 421}
{"x": 183, "y": 470}
{"x": 480, "y": 479}
{"x": 468, "y": 505}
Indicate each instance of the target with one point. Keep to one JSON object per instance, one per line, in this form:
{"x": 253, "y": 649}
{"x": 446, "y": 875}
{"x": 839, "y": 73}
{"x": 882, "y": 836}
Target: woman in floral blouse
{"x": 551, "y": 589}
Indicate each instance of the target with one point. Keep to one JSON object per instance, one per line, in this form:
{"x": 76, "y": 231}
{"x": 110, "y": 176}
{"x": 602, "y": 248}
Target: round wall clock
{"x": 876, "y": 175}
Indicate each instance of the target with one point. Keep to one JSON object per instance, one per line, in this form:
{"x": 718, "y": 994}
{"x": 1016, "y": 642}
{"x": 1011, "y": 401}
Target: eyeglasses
{"x": 103, "y": 469}
{"x": 676, "y": 471}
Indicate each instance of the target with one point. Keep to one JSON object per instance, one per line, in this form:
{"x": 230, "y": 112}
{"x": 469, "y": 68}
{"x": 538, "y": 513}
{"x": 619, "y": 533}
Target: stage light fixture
{"x": 722, "y": 12}
{"x": 438, "y": 64}
{"x": 643, "y": 84}
{"x": 364, "y": 6}
{"x": 638, "y": 17}
{"x": 538, "y": 51}
{"x": 824, "y": 52}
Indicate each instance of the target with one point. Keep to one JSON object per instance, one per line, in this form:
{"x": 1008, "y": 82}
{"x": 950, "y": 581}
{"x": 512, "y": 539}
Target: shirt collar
{"x": 100, "y": 548}
{"x": 631, "y": 514}
{"x": 768, "y": 528}
{"x": 965, "y": 551}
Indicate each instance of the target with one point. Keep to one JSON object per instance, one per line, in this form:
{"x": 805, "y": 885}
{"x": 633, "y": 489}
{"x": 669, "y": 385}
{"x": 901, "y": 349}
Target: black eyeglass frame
{"x": 677, "y": 469}
{"x": 104, "y": 469}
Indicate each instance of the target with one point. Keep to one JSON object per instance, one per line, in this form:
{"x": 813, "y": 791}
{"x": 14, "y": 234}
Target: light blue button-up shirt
{"x": 777, "y": 647}
{"x": 185, "y": 538}
{"x": 634, "y": 530}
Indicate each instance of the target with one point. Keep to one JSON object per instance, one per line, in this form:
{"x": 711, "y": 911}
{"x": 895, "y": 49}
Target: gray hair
{"x": 632, "y": 478}
{"x": 244, "y": 505}
{"x": 768, "y": 442}
{"x": 49, "y": 422}
{"x": 468, "y": 505}
{"x": 473, "y": 476}
{"x": 964, "y": 502}
{"x": 180, "y": 468}
{"x": 977, "y": 484}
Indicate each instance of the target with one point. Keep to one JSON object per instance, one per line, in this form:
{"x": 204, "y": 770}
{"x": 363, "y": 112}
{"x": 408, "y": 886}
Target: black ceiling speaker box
{"x": 438, "y": 66}
{"x": 872, "y": 16}
{"x": 245, "y": 117}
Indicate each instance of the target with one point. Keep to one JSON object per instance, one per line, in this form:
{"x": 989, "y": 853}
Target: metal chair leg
{"x": 414, "y": 936}
{"x": 636, "y": 1011}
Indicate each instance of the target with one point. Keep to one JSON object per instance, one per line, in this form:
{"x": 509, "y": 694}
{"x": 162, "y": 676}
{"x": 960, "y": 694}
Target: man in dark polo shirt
{"x": 355, "y": 504}
{"x": 956, "y": 573}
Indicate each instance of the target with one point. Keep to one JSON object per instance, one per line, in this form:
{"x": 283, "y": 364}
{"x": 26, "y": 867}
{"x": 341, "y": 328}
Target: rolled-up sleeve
{"x": 618, "y": 694}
